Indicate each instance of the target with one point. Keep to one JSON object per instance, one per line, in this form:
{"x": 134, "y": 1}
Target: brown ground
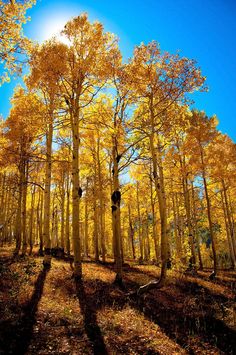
{"x": 42, "y": 312}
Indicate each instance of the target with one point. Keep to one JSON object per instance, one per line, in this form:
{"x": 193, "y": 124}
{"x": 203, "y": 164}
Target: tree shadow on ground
{"x": 93, "y": 296}
{"x": 226, "y": 278}
{"x": 7, "y": 260}
{"x": 91, "y": 326}
{"x": 220, "y": 279}
{"x": 186, "y": 312}
{"x": 181, "y": 317}
{"x": 192, "y": 284}
{"x": 16, "y": 335}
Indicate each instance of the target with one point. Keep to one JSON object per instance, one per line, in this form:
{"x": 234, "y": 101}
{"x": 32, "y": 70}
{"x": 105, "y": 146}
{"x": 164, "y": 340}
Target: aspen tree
{"x": 32, "y": 213}
{"x": 13, "y": 43}
{"x": 23, "y": 127}
{"x": 162, "y": 80}
{"x": 87, "y": 68}
{"x": 202, "y": 132}
{"x": 44, "y": 77}
{"x": 221, "y": 158}
{"x": 67, "y": 232}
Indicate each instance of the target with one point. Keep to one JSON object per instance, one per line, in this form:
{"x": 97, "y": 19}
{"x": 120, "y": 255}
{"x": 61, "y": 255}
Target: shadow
{"x": 88, "y": 310}
{"x": 7, "y": 260}
{"x": 192, "y": 314}
{"x": 132, "y": 269}
{"x": 101, "y": 294}
{"x": 179, "y": 325}
{"x": 16, "y": 335}
{"x": 192, "y": 284}
{"x": 223, "y": 279}
{"x": 182, "y": 310}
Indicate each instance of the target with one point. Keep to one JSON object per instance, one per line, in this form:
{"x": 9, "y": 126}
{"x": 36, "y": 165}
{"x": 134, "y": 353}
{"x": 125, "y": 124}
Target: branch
{"x": 36, "y": 184}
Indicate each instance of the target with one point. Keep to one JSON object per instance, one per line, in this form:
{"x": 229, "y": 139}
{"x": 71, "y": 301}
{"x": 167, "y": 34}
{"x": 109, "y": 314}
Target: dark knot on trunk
{"x": 116, "y": 196}
{"x": 80, "y": 192}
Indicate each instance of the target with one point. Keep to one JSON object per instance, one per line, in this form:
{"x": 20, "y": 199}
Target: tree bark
{"x": 213, "y": 244}
{"x": 229, "y": 226}
{"x": 32, "y": 219}
{"x": 160, "y": 190}
{"x": 100, "y": 196}
{"x": 139, "y": 224}
{"x": 76, "y": 194}
{"x": 24, "y": 205}
{"x": 192, "y": 263}
{"x": 18, "y": 224}
{"x": 154, "y": 220}
{"x": 95, "y": 220}
{"x": 86, "y": 251}
{"x": 68, "y": 215}
{"x": 63, "y": 212}
{"x": 115, "y": 199}
{"x": 177, "y": 237}
{"x": 131, "y": 233}
{"x": 47, "y": 197}
{"x": 196, "y": 236}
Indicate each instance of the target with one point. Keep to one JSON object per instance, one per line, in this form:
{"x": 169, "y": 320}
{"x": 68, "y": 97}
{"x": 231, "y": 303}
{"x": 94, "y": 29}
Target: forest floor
{"x": 42, "y": 312}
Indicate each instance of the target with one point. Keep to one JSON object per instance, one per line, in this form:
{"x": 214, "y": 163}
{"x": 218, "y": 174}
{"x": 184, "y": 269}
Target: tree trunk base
{"x": 212, "y": 275}
{"x": 119, "y": 282}
{"x": 24, "y": 249}
{"x": 47, "y": 261}
{"x": 77, "y": 274}
{"x": 40, "y": 252}
{"x": 77, "y": 278}
{"x": 16, "y": 253}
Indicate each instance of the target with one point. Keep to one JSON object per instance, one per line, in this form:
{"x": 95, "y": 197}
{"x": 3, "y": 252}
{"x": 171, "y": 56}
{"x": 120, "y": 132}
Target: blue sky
{"x": 202, "y": 30}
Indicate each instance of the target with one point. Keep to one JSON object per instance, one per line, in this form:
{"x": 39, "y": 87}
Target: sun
{"x": 53, "y": 27}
